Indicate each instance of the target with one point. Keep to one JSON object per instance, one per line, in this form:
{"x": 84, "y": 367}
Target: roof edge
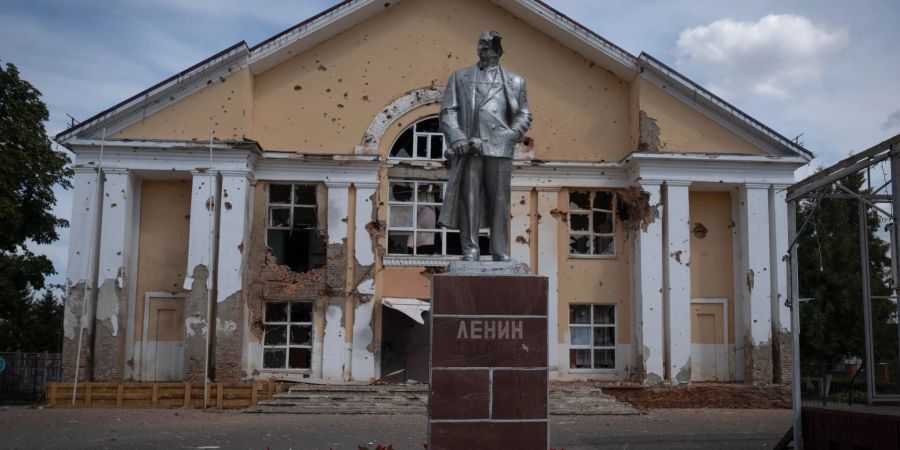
{"x": 68, "y": 133}
{"x": 721, "y": 107}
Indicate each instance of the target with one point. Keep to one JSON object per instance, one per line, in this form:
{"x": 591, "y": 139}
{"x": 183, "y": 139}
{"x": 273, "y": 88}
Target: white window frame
{"x": 287, "y": 345}
{"x": 590, "y": 230}
{"x": 591, "y": 347}
{"x": 414, "y": 203}
{"x": 291, "y": 205}
{"x": 415, "y": 142}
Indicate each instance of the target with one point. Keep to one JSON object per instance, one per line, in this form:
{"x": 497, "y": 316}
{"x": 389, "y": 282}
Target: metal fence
{"x": 24, "y": 376}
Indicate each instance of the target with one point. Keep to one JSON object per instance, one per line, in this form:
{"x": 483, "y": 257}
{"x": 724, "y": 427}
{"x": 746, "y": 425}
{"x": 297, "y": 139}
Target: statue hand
{"x": 457, "y": 149}
{"x": 475, "y": 146}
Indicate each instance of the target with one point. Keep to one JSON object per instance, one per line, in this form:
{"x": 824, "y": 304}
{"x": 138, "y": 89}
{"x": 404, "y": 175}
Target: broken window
{"x": 293, "y": 234}
{"x": 592, "y": 336}
{"x": 591, "y": 224}
{"x": 288, "y": 335}
{"x": 413, "y": 210}
{"x": 415, "y": 205}
{"x": 422, "y": 140}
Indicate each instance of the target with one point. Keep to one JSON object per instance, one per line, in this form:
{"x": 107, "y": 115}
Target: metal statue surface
{"x": 484, "y": 114}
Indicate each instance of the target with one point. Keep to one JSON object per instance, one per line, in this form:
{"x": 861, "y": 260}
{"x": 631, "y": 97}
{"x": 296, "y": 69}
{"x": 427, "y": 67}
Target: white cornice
{"x": 709, "y": 168}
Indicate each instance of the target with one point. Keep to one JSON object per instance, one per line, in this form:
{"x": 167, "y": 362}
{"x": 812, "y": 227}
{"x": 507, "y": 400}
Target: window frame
{"x": 590, "y": 230}
{"x": 415, "y": 142}
{"x": 287, "y": 346}
{"x": 291, "y": 205}
{"x": 591, "y": 347}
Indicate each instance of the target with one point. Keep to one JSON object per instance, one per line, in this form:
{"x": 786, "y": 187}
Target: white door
{"x": 708, "y": 346}
{"x": 164, "y": 354}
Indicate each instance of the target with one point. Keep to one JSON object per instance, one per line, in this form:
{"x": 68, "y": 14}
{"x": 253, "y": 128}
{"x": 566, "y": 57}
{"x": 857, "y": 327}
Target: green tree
{"x": 831, "y": 323}
{"x": 30, "y": 170}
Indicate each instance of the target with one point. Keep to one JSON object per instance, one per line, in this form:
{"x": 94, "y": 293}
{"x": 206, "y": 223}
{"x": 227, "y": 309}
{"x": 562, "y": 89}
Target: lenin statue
{"x": 484, "y": 114}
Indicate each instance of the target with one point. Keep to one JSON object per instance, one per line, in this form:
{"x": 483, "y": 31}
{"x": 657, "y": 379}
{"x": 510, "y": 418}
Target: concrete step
{"x": 413, "y": 399}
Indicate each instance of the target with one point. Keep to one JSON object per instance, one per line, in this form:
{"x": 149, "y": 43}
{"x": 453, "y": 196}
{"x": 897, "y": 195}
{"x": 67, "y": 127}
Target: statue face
{"x": 489, "y": 48}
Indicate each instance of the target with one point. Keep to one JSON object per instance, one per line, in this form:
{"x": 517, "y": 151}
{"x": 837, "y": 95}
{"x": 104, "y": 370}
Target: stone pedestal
{"x": 488, "y": 362}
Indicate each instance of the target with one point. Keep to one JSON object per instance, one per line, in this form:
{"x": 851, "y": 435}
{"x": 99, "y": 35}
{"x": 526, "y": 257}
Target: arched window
{"x": 422, "y": 140}
{"x": 414, "y": 203}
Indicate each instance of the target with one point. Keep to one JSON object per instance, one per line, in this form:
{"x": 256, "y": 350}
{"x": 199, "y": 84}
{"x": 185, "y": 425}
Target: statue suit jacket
{"x": 503, "y": 120}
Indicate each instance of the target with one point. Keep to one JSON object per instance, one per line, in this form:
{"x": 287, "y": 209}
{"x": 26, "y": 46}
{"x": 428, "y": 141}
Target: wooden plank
{"x": 89, "y": 392}
{"x": 187, "y": 396}
{"x": 53, "y": 387}
{"x": 120, "y": 391}
{"x": 219, "y": 395}
{"x": 254, "y": 394}
{"x": 154, "y": 400}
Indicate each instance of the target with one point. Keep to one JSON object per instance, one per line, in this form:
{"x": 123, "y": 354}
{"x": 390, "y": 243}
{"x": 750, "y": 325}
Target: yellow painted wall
{"x": 163, "y": 241}
{"x": 605, "y": 279}
{"x": 224, "y": 106}
{"x": 406, "y": 282}
{"x": 684, "y": 129}
{"x": 711, "y": 256}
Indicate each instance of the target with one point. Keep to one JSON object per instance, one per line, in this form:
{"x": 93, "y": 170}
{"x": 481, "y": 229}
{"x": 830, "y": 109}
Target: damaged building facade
{"x": 269, "y": 213}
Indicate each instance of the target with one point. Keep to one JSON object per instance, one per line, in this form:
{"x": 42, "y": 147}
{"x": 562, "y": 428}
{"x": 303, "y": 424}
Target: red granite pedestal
{"x": 488, "y": 354}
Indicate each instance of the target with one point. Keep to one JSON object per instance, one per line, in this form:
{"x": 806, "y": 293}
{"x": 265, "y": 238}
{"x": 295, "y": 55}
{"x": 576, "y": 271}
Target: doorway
{"x": 709, "y": 340}
{"x": 163, "y": 337}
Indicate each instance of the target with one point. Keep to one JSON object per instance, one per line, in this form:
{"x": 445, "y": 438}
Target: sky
{"x": 826, "y": 69}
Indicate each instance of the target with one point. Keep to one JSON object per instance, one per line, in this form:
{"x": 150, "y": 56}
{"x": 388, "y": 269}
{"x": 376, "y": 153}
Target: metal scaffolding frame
{"x": 818, "y": 187}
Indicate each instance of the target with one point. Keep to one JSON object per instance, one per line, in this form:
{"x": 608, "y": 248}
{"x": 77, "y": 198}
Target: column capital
{"x": 85, "y": 169}
{"x": 202, "y": 172}
{"x": 237, "y": 173}
{"x": 548, "y": 188}
{"x": 684, "y": 183}
{"x": 366, "y": 184}
{"x": 757, "y": 185}
{"x": 338, "y": 184}
{"x": 649, "y": 182}
{"x": 521, "y": 188}
{"x": 116, "y": 170}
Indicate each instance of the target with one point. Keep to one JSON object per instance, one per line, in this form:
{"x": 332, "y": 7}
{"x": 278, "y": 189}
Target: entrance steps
{"x": 413, "y": 399}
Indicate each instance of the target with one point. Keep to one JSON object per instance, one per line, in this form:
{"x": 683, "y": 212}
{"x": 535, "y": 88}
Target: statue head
{"x": 489, "y": 47}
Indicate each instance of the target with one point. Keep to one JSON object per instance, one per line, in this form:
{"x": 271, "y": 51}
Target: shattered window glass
{"x": 288, "y": 335}
{"x": 591, "y": 223}
{"x": 592, "y": 336}
{"x": 414, "y": 206}
{"x": 294, "y": 237}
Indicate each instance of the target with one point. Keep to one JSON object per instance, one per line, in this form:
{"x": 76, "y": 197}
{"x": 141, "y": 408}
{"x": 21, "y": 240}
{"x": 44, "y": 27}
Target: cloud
{"x": 892, "y": 121}
{"x": 770, "y": 57}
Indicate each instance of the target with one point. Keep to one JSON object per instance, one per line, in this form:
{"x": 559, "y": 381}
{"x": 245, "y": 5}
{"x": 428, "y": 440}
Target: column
{"x": 520, "y": 224}
{"x": 548, "y": 262}
{"x": 363, "y": 359}
{"x": 335, "y": 343}
{"x": 112, "y": 293}
{"x": 756, "y": 283}
{"x": 648, "y": 284}
{"x": 781, "y": 314}
{"x": 83, "y": 240}
{"x": 201, "y": 253}
{"x": 234, "y": 229}
{"x": 678, "y": 311}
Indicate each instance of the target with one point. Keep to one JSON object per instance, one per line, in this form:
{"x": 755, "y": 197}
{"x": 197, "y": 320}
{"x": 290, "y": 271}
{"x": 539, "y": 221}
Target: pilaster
{"x": 648, "y": 289}
{"x": 678, "y": 274}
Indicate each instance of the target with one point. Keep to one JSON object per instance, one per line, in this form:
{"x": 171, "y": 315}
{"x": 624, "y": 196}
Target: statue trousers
{"x": 486, "y": 179}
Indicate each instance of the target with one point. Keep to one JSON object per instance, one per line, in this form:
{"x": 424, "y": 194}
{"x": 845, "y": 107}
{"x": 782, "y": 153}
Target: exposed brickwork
{"x": 109, "y": 332}
{"x": 195, "y": 326}
{"x": 72, "y": 324}
{"x": 229, "y": 342}
{"x": 704, "y": 396}
{"x": 784, "y": 371}
{"x": 758, "y": 362}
